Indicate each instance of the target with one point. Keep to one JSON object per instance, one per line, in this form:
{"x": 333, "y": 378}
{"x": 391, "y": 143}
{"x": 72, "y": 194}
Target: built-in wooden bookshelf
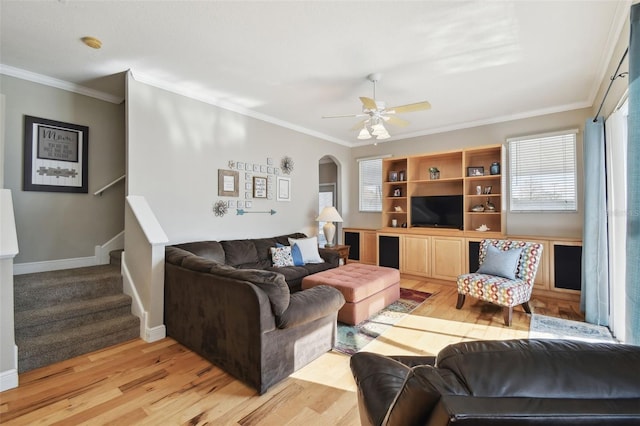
{"x": 406, "y": 177}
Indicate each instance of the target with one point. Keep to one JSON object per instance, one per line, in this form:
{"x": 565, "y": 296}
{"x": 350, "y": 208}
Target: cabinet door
{"x": 368, "y": 247}
{"x": 415, "y": 255}
{"x": 447, "y": 257}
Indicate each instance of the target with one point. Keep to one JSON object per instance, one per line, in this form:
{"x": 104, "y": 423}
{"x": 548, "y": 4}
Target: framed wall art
{"x": 55, "y": 156}
{"x": 283, "y": 189}
{"x": 259, "y": 187}
{"x": 228, "y": 183}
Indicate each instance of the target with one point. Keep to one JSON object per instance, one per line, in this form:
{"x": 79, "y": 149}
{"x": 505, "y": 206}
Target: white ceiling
{"x": 291, "y": 62}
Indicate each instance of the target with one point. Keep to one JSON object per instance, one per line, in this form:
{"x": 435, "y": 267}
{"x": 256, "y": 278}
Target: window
{"x": 543, "y": 172}
{"x": 370, "y": 184}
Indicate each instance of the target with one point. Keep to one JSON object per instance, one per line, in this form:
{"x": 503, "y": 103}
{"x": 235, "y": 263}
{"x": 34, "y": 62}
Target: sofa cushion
{"x": 272, "y": 283}
{"x": 281, "y": 256}
{"x": 209, "y": 249}
{"x": 239, "y": 252}
{"x": 263, "y": 246}
{"x": 175, "y": 255}
{"x": 308, "y": 248}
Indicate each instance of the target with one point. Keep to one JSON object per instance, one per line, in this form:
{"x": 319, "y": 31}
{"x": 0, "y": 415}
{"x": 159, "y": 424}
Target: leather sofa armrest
{"x": 379, "y": 379}
{"x": 308, "y": 305}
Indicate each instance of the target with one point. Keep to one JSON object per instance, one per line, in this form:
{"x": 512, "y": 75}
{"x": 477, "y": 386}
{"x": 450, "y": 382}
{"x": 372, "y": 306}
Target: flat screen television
{"x": 437, "y": 211}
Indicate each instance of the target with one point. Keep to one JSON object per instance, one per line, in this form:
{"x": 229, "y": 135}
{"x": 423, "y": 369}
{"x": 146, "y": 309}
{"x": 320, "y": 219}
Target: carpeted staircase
{"x": 63, "y": 314}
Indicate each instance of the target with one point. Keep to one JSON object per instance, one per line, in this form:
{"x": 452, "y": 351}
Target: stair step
{"x": 115, "y": 257}
{"x": 34, "y": 352}
{"x": 58, "y": 317}
{"x": 49, "y": 288}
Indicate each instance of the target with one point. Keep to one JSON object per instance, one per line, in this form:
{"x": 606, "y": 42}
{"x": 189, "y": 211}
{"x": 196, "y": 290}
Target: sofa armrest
{"x": 379, "y": 379}
{"x": 330, "y": 256}
{"x": 308, "y": 305}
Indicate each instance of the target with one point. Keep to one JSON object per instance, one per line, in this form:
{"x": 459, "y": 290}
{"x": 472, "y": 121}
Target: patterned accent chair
{"x": 502, "y": 281}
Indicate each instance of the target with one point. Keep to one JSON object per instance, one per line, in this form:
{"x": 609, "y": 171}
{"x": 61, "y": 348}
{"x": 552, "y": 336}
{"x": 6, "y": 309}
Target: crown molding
{"x": 58, "y": 84}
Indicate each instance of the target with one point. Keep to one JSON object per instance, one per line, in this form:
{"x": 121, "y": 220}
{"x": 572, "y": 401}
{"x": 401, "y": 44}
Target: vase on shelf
{"x": 489, "y": 206}
{"x": 434, "y": 173}
{"x": 495, "y": 168}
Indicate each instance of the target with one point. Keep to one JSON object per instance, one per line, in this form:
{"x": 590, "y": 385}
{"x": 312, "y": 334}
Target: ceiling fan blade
{"x": 344, "y": 116}
{"x": 418, "y": 106}
{"x": 360, "y": 125}
{"x": 368, "y": 103}
{"x": 395, "y": 121}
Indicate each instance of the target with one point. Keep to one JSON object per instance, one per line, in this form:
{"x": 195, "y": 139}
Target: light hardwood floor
{"x": 163, "y": 383}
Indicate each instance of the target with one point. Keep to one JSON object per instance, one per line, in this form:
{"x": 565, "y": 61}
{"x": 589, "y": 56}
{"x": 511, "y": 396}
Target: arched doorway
{"x": 328, "y": 194}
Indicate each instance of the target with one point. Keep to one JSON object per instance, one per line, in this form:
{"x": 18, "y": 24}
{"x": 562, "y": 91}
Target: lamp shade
{"x": 329, "y": 214}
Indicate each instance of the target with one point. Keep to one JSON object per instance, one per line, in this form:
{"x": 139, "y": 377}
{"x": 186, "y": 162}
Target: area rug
{"x": 544, "y": 327}
{"x": 352, "y": 338}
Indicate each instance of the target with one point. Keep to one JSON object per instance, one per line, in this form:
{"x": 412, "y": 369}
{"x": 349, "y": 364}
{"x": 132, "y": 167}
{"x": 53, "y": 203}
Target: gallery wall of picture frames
{"x": 245, "y": 181}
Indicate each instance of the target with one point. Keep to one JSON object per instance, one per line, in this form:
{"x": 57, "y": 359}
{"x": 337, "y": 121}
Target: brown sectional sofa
{"x": 226, "y": 302}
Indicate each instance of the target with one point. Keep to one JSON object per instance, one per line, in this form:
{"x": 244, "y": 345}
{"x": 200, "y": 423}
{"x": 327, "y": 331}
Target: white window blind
{"x": 543, "y": 172}
{"x": 370, "y": 184}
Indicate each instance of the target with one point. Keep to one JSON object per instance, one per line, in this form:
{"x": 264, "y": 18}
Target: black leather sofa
{"x": 224, "y": 301}
{"x": 513, "y": 382}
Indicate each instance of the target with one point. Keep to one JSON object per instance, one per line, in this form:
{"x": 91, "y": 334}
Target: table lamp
{"x": 329, "y": 215}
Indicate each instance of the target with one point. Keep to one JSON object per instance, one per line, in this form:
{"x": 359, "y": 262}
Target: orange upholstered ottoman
{"x": 366, "y": 288}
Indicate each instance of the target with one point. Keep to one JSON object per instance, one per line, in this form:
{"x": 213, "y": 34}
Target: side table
{"x": 342, "y": 250}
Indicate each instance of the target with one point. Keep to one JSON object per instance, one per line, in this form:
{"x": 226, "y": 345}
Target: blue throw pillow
{"x": 500, "y": 263}
{"x": 297, "y": 255}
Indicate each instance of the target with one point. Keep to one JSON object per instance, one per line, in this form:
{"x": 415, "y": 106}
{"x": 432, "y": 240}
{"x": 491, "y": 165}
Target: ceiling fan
{"x": 378, "y": 114}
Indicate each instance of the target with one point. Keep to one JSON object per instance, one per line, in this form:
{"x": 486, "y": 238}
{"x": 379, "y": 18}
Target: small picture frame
{"x": 393, "y": 176}
{"x": 239, "y": 204}
{"x": 283, "y": 187}
{"x": 397, "y": 192}
{"x": 239, "y": 165}
{"x": 256, "y": 167}
{"x": 259, "y": 187}
{"x": 248, "y": 204}
{"x": 270, "y": 161}
{"x": 231, "y": 204}
{"x": 228, "y": 183}
{"x": 475, "y": 171}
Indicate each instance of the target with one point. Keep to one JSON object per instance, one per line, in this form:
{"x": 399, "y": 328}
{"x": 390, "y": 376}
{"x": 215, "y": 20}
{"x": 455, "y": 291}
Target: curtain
{"x": 632, "y": 329}
{"x": 594, "y": 299}
{"x": 616, "y": 153}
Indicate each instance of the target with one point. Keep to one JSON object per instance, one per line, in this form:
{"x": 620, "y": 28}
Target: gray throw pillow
{"x": 500, "y": 263}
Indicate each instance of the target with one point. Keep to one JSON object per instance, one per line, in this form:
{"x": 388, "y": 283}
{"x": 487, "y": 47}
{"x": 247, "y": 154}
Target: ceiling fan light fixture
{"x": 383, "y": 136}
{"x": 378, "y": 129}
{"x": 364, "y": 134}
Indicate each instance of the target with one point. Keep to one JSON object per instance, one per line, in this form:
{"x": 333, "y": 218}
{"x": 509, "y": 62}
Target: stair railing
{"x": 109, "y": 185}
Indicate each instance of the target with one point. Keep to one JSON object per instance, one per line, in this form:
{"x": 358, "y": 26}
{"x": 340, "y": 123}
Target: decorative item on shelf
{"x": 495, "y": 168}
{"x": 393, "y": 176}
{"x": 329, "y": 215}
{"x": 286, "y": 165}
{"x": 401, "y": 176}
{"x": 398, "y": 209}
{"x": 394, "y": 223}
{"x": 489, "y": 206}
{"x": 478, "y": 190}
{"x": 487, "y": 190}
{"x": 482, "y": 228}
{"x": 477, "y": 208}
{"x": 475, "y": 171}
{"x": 397, "y": 192}
{"x": 434, "y": 173}
{"x": 220, "y": 208}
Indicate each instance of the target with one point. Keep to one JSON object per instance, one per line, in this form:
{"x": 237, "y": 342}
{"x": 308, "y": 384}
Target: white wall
{"x": 176, "y": 145}
{"x": 560, "y": 224}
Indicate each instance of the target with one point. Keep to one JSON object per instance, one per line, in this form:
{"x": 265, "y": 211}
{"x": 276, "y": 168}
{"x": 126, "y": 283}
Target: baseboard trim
{"x": 53, "y": 265}
{"x": 9, "y": 378}
{"x": 155, "y": 333}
